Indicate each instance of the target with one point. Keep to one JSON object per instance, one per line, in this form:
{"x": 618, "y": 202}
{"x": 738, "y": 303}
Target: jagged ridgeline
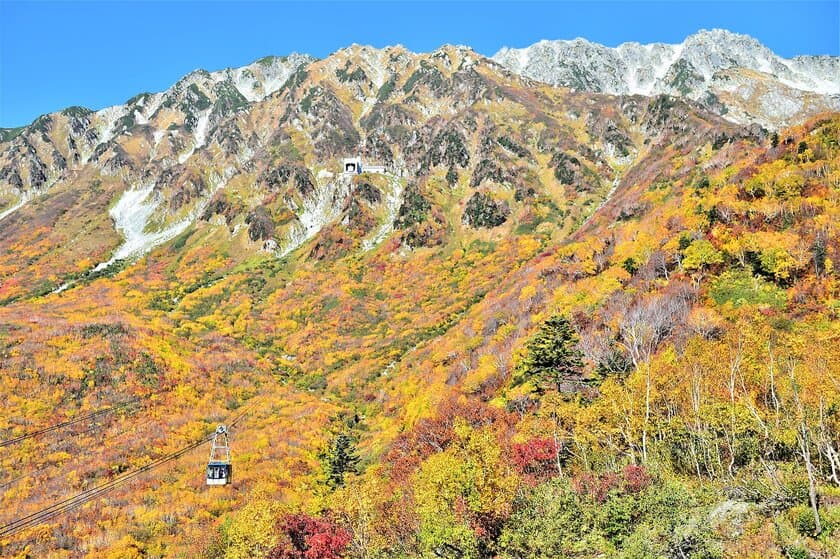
{"x": 570, "y": 301}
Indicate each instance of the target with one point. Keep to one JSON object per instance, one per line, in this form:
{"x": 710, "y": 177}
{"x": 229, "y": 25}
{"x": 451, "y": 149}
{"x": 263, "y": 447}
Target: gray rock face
{"x": 201, "y": 100}
{"x": 691, "y": 69}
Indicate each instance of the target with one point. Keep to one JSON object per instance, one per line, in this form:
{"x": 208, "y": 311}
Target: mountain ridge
{"x": 710, "y": 66}
{"x": 506, "y": 55}
{"x": 169, "y": 155}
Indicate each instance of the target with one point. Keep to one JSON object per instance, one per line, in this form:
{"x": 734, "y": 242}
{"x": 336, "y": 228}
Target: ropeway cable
{"x": 67, "y": 505}
{"x": 68, "y": 423}
{"x": 80, "y": 499}
{"x": 115, "y": 407}
{"x": 49, "y": 465}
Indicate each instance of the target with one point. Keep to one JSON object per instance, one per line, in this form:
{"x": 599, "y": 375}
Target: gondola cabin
{"x": 219, "y": 467}
{"x": 218, "y": 473}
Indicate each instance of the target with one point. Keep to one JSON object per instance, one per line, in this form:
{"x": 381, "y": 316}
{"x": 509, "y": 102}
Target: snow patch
{"x": 319, "y": 209}
{"x": 186, "y": 155}
{"x": 108, "y": 120}
{"x": 131, "y": 214}
{"x": 259, "y": 80}
{"x": 24, "y": 198}
{"x": 201, "y": 129}
{"x": 615, "y": 158}
{"x": 377, "y": 68}
{"x": 135, "y": 207}
{"x": 200, "y": 136}
{"x": 245, "y": 82}
{"x": 273, "y": 82}
{"x": 324, "y": 175}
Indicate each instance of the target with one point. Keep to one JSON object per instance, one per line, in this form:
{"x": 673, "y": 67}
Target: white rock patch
{"x": 393, "y": 200}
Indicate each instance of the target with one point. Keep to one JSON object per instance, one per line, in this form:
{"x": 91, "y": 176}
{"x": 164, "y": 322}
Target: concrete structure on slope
{"x": 354, "y": 166}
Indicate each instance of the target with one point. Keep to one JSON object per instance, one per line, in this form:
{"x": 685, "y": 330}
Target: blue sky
{"x": 96, "y": 54}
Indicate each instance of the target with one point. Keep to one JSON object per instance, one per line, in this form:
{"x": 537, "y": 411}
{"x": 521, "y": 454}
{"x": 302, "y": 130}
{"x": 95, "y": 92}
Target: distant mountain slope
{"x": 733, "y": 74}
{"x": 257, "y": 152}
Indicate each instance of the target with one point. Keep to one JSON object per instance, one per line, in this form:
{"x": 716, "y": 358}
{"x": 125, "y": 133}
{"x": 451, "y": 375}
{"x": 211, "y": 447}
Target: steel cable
{"x": 67, "y": 505}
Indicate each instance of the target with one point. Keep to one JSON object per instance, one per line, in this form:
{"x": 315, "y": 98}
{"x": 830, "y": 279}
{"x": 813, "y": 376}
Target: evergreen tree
{"x": 339, "y": 458}
{"x": 451, "y": 176}
{"x": 552, "y": 357}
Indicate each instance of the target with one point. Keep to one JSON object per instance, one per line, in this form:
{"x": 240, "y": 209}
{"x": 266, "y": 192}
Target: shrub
{"x": 304, "y": 537}
{"x": 536, "y": 457}
{"x": 797, "y": 552}
{"x": 796, "y": 491}
{"x": 550, "y": 523}
{"x": 742, "y": 288}
{"x": 414, "y": 208}
{"x": 636, "y": 478}
{"x": 512, "y": 146}
{"x": 630, "y": 265}
{"x": 597, "y": 487}
{"x": 565, "y": 167}
{"x": 802, "y": 518}
{"x": 451, "y": 177}
{"x": 701, "y": 254}
{"x": 616, "y": 518}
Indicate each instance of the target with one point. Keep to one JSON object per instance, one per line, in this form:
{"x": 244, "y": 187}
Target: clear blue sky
{"x": 96, "y": 54}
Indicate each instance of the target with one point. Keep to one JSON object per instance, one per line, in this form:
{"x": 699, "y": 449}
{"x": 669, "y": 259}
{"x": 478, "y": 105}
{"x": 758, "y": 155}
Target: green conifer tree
{"x": 552, "y": 358}
{"x": 338, "y": 459}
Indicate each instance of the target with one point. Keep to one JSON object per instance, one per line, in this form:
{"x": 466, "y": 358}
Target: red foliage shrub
{"x": 633, "y": 480}
{"x": 596, "y": 486}
{"x": 535, "y": 457}
{"x": 309, "y": 538}
{"x": 398, "y": 512}
{"x": 636, "y": 478}
{"x": 744, "y": 174}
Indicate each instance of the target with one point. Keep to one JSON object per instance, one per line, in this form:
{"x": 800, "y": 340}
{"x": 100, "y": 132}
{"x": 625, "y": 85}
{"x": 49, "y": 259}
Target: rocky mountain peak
{"x": 730, "y": 73}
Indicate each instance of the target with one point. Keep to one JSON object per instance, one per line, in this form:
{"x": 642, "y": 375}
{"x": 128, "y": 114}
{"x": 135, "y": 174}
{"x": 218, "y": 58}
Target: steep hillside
{"x": 562, "y": 323}
{"x": 444, "y": 124}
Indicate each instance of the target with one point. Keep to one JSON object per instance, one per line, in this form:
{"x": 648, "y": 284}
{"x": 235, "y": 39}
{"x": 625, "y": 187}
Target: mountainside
{"x": 733, "y": 75}
{"x": 561, "y": 323}
{"x": 271, "y": 168}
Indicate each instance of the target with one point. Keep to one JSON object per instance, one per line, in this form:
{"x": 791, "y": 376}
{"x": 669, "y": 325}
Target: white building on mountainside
{"x": 354, "y": 166}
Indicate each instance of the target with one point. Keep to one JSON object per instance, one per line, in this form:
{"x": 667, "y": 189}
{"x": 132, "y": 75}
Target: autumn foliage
{"x": 304, "y": 537}
{"x": 536, "y": 457}
{"x": 659, "y": 377}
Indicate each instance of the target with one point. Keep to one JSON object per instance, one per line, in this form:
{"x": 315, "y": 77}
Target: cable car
{"x": 219, "y": 468}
